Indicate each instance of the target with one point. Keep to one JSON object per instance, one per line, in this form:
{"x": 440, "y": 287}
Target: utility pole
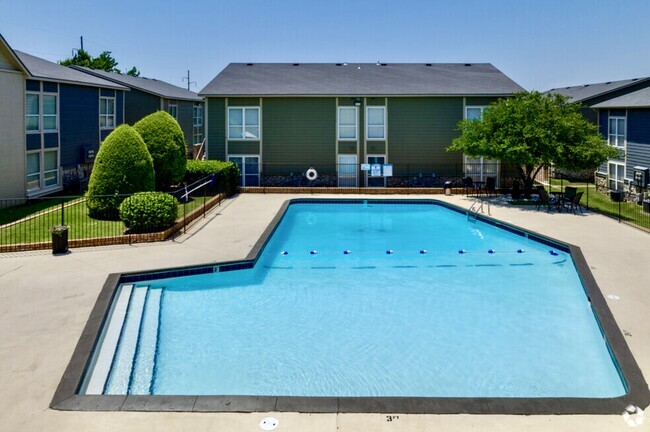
{"x": 188, "y": 80}
{"x": 82, "y": 43}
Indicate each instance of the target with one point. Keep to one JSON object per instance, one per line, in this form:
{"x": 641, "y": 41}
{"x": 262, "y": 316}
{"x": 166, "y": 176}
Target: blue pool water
{"x": 368, "y": 323}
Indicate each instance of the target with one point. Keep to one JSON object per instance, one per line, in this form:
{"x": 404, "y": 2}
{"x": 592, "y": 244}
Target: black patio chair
{"x": 468, "y": 184}
{"x": 490, "y": 186}
{"x": 546, "y": 200}
{"x": 574, "y": 203}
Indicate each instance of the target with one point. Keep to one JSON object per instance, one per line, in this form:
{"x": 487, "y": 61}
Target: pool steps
{"x": 118, "y": 381}
{"x": 108, "y": 346}
{"x": 124, "y": 365}
{"x": 144, "y": 359}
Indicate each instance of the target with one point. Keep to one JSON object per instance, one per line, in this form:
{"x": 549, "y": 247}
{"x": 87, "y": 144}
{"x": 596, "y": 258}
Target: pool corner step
{"x": 120, "y": 375}
{"x": 145, "y": 356}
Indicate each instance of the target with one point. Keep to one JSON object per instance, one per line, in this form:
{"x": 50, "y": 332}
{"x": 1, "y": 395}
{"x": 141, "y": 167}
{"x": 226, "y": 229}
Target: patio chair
{"x": 490, "y": 186}
{"x": 468, "y": 184}
{"x": 569, "y": 194}
{"x": 546, "y": 200}
{"x": 575, "y": 202}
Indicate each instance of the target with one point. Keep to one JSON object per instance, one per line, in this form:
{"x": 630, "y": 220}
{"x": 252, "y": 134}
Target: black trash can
{"x": 616, "y": 195}
{"x": 59, "y": 239}
{"x": 646, "y": 206}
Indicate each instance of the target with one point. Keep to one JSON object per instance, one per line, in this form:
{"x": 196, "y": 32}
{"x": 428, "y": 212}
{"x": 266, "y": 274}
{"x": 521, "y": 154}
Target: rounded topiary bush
{"x": 123, "y": 166}
{"x": 166, "y": 143}
{"x": 149, "y": 211}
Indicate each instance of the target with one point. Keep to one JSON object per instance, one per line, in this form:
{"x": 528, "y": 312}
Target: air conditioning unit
{"x": 641, "y": 176}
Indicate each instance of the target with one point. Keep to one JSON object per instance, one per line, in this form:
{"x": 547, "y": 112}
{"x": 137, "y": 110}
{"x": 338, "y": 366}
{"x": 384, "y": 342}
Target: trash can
{"x": 447, "y": 188}
{"x": 59, "y": 239}
{"x": 646, "y": 206}
{"x": 616, "y": 195}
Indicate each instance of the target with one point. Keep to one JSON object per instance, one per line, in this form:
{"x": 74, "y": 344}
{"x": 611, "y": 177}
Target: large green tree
{"x": 105, "y": 61}
{"x": 532, "y": 131}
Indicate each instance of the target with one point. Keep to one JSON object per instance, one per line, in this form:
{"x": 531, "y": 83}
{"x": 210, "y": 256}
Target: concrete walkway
{"x": 46, "y": 300}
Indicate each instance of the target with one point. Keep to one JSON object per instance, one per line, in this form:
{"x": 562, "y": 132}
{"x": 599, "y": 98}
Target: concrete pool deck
{"x": 46, "y": 300}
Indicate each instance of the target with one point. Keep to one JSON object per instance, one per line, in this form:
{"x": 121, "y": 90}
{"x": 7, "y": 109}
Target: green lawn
{"x": 15, "y": 213}
{"x": 75, "y": 216}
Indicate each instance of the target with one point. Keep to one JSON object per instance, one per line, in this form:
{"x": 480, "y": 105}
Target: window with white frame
{"x": 479, "y": 168}
{"x": 197, "y": 123}
{"x": 243, "y": 123}
{"x": 107, "y": 112}
{"x": 32, "y": 112}
{"x": 376, "y": 123}
{"x": 347, "y": 123}
{"x": 616, "y": 175}
{"x": 172, "y": 109}
{"x": 616, "y": 134}
{"x": 50, "y": 168}
{"x": 49, "y": 112}
{"x": 33, "y": 170}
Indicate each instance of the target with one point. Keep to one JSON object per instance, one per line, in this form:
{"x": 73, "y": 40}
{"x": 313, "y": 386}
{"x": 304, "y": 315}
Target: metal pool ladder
{"x": 476, "y": 207}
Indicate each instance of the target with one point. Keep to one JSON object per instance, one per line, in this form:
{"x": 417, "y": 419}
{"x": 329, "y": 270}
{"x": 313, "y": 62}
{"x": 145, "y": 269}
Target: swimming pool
{"x": 364, "y": 299}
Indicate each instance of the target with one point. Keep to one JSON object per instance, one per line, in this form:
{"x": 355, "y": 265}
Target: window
{"x": 173, "y": 110}
{"x": 616, "y": 175}
{"x": 197, "y": 123}
{"x": 617, "y": 132}
{"x": 197, "y": 115}
{"x": 244, "y": 123}
{"x": 376, "y": 123}
{"x": 106, "y": 113}
{"x": 32, "y": 112}
{"x": 45, "y": 175}
{"x": 51, "y": 168}
{"x": 479, "y": 168}
{"x": 249, "y": 169}
{"x": 473, "y": 112}
{"x": 348, "y": 123}
{"x": 33, "y": 171}
{"x": 49, "y": 112}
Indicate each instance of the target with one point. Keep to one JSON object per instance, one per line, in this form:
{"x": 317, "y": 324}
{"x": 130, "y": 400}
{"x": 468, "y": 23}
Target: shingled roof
{"x": 585, "y": 92}
{"x": 39, "y": 68}
{"x": 367, "y": 79}
{"x": 635, "y": 99}
{"x": 148, "y": 85}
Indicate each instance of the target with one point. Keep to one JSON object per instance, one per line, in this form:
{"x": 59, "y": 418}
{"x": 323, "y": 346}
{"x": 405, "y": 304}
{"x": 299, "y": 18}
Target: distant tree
{"x": 105, "y": 61}
{"x": 532, "y": 131}
{"x": 133, "y": 72}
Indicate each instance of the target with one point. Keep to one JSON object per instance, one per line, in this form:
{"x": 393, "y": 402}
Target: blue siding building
{"x": 621, "y": 109}
{"x": 67, "y": 116}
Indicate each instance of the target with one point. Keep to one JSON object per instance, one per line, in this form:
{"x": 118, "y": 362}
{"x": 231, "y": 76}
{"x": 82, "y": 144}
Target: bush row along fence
{"x": 25, "y": 223}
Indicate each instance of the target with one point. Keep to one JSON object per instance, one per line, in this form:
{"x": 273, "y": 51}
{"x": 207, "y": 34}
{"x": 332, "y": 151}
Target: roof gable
{"x": 342, "y": 79}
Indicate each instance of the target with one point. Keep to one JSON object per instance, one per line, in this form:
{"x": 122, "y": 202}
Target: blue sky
{"x": 540, "y": 44}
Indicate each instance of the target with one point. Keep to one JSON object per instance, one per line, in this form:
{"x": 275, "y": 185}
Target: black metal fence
{"x": 26, "y": 223}
{"x": 625, "y": 201}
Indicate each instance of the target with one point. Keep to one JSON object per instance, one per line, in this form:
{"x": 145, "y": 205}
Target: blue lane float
{"x": 552, "y": 252}
{"x": 284, "y": 253}
{"x": 347, "y": 252}
{"x": 314, "y": 252}
{"x": 491, "y": 251}
{"x": 462, "y": 251}
{"x": 423, "y": 251}
{"x": 390, "y": 252}
{"x": 520, "y": 251}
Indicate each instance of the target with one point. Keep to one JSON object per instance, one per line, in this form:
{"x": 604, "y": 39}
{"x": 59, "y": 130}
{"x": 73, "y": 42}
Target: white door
{"x": 347, "y": 170}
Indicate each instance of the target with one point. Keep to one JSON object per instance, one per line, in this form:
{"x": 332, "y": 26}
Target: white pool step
{"x": 108, "y": 345}
{"x": 145, "y": 356}
{"x": 120, "y": 375}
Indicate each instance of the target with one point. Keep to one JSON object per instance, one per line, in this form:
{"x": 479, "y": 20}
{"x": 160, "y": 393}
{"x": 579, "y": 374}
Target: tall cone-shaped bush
{"x": 166, "y": 143}
{"x": 123, "y": 166}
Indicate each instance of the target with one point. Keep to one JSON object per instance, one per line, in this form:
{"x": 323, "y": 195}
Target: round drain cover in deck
{"x": 269, "y": 423}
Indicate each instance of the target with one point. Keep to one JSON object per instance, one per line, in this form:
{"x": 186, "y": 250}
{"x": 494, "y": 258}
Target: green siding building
{"x": 276, "y": 121}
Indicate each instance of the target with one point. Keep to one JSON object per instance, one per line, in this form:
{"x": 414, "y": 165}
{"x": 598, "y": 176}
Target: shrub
{"x": 122, "y": 166}
{"x": 166, "y": 143}
{"x": 226, "y": 174}
{"x": 149, "y": 211}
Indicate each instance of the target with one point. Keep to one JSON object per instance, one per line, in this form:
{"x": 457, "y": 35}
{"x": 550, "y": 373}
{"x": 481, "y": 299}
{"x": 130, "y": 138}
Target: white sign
{"x": 388, "y": 170}
{"x": 365, "y": 167}
{"x": 375, "y": 170}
